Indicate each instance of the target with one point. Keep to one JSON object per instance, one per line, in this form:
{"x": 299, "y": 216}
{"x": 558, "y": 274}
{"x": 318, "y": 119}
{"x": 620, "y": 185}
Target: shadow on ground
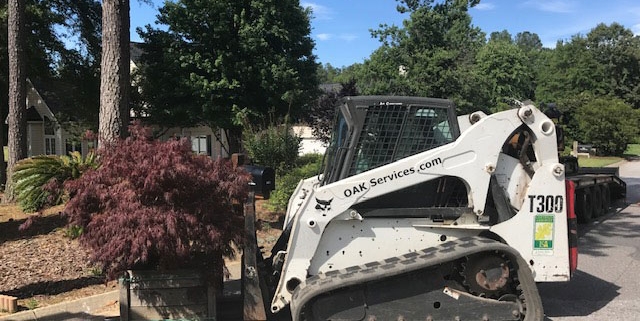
{"x": 40, "y": 225}
{"x": 559, "y": 299}
{"x": 53, "y": 287}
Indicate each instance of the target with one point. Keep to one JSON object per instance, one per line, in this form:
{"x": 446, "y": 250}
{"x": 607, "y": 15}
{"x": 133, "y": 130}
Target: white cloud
{"x": 636, "y": 29}
{"x": 484, "y": 6}
{"x": 348, "y": 37}
{"x": 324, "y": 36}
{"x": 555, "y": 6}
{"x": 319, "y": 11}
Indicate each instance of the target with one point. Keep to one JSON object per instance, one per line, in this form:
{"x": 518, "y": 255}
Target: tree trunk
{"x": 17, "y": 139}
{"x": 126, "y": 67}
{"x": 114, "y": 77}
{"x": 235, "y": 140}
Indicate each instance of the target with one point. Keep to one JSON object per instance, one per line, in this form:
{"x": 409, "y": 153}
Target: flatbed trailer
{"x": 596, "y": 188}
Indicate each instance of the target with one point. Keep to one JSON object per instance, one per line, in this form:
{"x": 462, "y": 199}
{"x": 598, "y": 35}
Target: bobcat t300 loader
{"x": 422, "y": 215}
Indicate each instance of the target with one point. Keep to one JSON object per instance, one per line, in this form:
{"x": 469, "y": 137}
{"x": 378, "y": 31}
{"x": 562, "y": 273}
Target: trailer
{"x": 596, "y": 188}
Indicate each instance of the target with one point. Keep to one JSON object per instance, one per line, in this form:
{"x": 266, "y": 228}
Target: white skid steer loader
{"x": 422, "y": 215}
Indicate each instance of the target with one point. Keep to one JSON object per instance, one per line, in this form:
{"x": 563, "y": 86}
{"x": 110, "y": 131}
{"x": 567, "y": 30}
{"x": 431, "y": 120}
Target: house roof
{"x": 50, "y": 91}
{"x": 335, "y": 87}
{"x": 33, "y": 114}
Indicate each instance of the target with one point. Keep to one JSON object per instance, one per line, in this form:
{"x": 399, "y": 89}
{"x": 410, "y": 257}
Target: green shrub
{"x": 72, "y": 231}
{"x": 276, "y": 147}
{"x": 38, "y": 181}
{"x": 308, "y": 159}
{"x": 608, "y": 124}
{"x": 286, "y": 183}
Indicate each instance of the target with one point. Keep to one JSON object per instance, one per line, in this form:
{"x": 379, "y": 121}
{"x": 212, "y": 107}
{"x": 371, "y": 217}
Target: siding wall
{"x": 216, "y": 146}
{"x": 36, "y": 138}
{"x": 310, "y": 144}
{"x": 36, "y": 143}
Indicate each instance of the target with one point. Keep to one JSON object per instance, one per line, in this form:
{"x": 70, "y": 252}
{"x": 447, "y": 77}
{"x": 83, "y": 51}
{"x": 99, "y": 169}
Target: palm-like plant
{"x": 38, "y": 181}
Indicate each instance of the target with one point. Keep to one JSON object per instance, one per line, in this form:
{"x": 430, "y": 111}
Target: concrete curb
{"x": 96, "y": 307}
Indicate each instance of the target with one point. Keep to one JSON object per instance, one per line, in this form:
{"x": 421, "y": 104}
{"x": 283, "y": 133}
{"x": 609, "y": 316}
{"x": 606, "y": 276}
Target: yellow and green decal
{"x": 543, "y": 234}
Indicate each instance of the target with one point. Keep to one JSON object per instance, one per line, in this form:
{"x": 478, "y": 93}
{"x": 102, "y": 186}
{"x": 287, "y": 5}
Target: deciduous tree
{"x": 617, "y": 51}
{"x": 220, "y": 58}
{"x": 431, "y": 55}
{"x": 609, "y": 124}
{"x": 508, "y": 72}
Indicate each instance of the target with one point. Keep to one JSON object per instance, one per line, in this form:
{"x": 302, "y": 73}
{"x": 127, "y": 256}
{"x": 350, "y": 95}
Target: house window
{"x": 49, "y": 137}
{"x": 72, "y": 145}
{"x": 91, "y": 146}
{"x": 49, "y": 145}
{"x": 201, "y": 145}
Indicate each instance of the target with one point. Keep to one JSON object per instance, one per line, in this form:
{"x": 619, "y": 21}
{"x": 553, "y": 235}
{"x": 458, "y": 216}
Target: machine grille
{"x": 393, "y": 132}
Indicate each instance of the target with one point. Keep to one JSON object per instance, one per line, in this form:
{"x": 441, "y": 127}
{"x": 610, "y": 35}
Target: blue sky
{"x": 340, "y": 28}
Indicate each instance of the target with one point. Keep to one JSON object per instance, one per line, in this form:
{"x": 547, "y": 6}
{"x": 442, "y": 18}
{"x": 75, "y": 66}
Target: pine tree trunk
{"x": 126, "y": 67}
{"x": 17, "y": 91}
{"x": 114, "y": 78}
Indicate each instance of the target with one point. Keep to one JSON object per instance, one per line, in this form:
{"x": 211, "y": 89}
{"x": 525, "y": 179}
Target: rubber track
{"x": 447, "y": 252}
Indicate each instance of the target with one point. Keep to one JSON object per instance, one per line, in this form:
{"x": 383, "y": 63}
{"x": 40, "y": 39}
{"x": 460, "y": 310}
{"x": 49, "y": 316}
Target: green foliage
{"x": 507, "y": 69}
{"x": 211, "y": 58}
{"x": 32, "y": 304}
{"x": 617, "y": 52}
{"x": 96, "y": 271}
{"x": 528, "y": 41}
{"x": 39, "y": 180}
{"x": 609, "y": 124}
{"x": 503, "y": 36}
{"x": 633, "y": 149}
{"x": 66, "y": 75}
{"x": 432, "y": 55}
{"x": 276, "y": 147}
{"x": 307, "y": 159}
{"x": 308, "y": 166}
{"x": 72, "y": 231}
{"x": 604, "y": 63}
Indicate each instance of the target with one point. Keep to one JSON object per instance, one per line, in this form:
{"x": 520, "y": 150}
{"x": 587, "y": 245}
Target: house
{"x": 47, "y": 136}
{"x": 309, "y": 144}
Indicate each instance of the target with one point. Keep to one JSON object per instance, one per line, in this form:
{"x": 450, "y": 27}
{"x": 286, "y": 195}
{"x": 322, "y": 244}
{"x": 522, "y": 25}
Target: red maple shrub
{"x": 153, "y": 204}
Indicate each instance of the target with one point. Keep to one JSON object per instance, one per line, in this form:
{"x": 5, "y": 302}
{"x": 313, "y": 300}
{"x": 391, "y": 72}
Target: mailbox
{"x": 263, "y": 179}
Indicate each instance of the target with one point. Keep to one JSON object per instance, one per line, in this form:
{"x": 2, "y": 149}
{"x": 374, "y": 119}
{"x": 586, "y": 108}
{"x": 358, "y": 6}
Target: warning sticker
{"x": 543, "y": 235}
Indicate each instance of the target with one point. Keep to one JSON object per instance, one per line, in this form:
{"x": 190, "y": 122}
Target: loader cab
{"x": 372, "y": 131}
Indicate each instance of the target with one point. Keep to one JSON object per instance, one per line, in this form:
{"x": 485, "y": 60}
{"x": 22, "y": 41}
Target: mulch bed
{"x": 41, "y": 260}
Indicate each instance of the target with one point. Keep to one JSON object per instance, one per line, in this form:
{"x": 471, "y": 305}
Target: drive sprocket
{"x": 488, "y": 274}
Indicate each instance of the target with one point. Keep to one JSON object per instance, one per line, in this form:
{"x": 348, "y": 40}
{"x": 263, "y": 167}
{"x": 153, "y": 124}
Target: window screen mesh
{"x": 397, "y": 131}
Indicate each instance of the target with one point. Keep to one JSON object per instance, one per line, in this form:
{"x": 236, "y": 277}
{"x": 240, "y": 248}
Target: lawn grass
{"x": 632, "y": 150}
{"x": 597, "y": 161}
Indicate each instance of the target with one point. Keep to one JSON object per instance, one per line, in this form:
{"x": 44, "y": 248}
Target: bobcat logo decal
{"x": 323, "y": 205}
